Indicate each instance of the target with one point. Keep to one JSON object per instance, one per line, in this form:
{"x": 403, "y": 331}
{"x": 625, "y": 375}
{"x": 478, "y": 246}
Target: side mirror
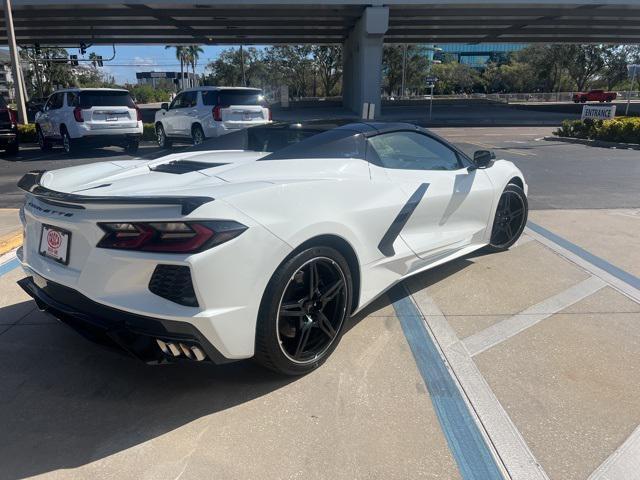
{"x": 483, "y": 158}
{"x": 164, "y": 106}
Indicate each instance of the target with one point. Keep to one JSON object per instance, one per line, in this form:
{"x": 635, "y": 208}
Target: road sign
{"x": 431, "y": 79}
{"x": 597, "y": 112}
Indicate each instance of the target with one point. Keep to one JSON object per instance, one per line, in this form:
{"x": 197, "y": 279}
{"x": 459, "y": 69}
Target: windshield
{"x": 273, "y": 139}
{"x": 232, "y": 97}
{"x": 106, "y": 99}
{"x": 336, "y": 143}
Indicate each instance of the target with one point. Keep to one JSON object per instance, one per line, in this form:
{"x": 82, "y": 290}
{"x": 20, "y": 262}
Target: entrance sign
{"x": 597, "y": 112}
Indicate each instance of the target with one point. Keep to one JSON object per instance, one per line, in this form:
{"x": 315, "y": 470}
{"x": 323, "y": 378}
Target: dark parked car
{"x": 8, "y": 128}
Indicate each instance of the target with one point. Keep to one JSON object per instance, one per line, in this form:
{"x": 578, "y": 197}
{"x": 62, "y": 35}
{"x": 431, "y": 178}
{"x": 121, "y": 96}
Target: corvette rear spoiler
{"x": 30, "y": 183}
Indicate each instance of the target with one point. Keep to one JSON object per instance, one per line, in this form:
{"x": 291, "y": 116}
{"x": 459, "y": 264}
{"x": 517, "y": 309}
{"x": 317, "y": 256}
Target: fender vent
{"x": 173, "y": 282}
{"x": 183, "y": 166}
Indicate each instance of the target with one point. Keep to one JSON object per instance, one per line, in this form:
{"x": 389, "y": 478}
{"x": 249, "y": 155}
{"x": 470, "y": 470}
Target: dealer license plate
{"x": 55, "y": 243}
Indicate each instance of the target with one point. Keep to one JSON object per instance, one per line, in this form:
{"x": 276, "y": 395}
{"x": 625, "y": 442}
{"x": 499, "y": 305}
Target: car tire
{"x": 511, "y": 218}
{"x": 67, "y": 142}
{"x": 13, "y": 149}
{"x": 132, "y": 147}
{"x": 43, "y": 143}
{"x": 197, "y": 135}
{"x": 287, "y": 324}
{"x": 161, "y": 137}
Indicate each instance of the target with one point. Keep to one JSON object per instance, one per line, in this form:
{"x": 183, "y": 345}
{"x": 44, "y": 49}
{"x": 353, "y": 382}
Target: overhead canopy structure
{"x": 361, "y": 26}
{"x": 55, "y": 22}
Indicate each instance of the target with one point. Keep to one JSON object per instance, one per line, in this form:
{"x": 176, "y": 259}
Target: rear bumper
{"x": 8, "y": 138}
{"x": 113, "y": 328}
{"x": 106, "y": 139}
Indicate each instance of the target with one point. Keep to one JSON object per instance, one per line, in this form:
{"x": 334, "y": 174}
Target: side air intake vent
{"x": 173, "y": 282}
{"x": 183, "y": 166}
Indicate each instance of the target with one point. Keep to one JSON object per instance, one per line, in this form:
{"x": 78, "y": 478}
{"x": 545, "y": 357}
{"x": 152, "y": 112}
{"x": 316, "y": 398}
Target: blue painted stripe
{"x": 465, "y": 441}
{"x": 6, "y": 267}
{"x": 617, "y": 272}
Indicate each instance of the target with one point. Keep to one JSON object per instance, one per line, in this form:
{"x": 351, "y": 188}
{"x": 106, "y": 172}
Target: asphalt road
{"x": 560, "y": 175}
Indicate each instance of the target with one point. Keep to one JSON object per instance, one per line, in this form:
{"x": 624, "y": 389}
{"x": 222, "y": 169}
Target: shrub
{"x": 149, "y": 131}
{"x": 622, "y": 129}
{"x": 27, "y": 133}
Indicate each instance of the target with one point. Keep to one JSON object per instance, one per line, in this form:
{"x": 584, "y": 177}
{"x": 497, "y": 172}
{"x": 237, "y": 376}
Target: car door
{"x": 190, "y": 112}
{"x": 56, "y": 113}
{"x": 171, "y": 118}
{"x": 43, "y": 118}
{"x": 448, "y": 205}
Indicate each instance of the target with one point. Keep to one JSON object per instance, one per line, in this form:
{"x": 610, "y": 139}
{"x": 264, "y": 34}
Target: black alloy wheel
{"x": 510, "y": 219}
{"x": 304, "y": 311}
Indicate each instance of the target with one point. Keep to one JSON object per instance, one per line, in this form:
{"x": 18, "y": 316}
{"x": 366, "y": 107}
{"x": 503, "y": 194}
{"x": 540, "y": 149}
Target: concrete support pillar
{"x": 362, "y": 56}
{"x": 16, "y": 71}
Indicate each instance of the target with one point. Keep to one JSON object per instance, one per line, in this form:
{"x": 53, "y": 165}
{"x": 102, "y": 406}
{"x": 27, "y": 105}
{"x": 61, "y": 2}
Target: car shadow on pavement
{"x": 65, "y": 402}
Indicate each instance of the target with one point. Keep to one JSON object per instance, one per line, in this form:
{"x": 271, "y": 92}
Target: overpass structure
{"x": 361, "y": 26}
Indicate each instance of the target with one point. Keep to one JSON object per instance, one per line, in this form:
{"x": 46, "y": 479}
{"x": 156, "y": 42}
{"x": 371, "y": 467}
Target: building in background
{"x": 479, "y": 54}
{"x": 164, "y": 80}
{"x": 5, "y": 75}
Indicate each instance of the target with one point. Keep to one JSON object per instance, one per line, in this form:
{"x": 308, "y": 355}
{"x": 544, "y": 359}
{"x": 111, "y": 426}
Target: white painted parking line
{"x": 501, "y": 331}
{"x": 624, "y": 463}
{"x": 608, "y": 276}
{"x": 509, "y": 445}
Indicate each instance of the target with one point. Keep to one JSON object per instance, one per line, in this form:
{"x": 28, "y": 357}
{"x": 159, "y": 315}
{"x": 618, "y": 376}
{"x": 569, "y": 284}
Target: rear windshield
{"x": 106, "y": 99}
{"x": 232, "y": 97}
{"x": 336, "y": 143}
{"x": 269, "y": 139}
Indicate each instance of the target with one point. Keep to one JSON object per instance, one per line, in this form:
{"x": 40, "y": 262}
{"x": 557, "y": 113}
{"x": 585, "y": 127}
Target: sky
{"x": 130, "y": 59}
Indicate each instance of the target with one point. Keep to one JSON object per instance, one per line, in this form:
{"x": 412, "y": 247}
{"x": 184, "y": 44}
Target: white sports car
{"x": 264, "y": 252}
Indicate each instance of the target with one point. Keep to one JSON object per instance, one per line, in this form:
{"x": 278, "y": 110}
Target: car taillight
{"x": 168, "y": 237}
{"x": 138, "y": 114}
{"x": 217, "y": 116}
{"x": 13, "y": 117}
{"x": 77, "y": 114}
{"x": 269, "y": 114}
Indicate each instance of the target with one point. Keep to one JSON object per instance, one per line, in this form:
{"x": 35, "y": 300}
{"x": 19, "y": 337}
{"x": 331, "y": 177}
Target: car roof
{"x": 78, "y": 89}
{"x": 363, "y": 127}
{"x": 248, "y": 89}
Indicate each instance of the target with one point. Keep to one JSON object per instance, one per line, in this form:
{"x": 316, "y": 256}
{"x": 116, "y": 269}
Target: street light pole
{"x": 633, "y": 79}
{"x": 404, "y": 68}
{"x": 16, "y": 71}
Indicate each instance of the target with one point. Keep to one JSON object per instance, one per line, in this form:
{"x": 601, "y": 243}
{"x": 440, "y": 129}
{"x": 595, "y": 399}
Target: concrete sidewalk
{"x": 10, "y": 230}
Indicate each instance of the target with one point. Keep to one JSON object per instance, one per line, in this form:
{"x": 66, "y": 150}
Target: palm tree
{"x": 181, "y": 54}
{"x": 193, "y": 55}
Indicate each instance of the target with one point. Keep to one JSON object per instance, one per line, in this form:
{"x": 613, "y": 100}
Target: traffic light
{"x": 99, "y": 60}
{"x": 83, "y": 48}
{"x": 37, "y": 50}
{"x": 74, "y": 60}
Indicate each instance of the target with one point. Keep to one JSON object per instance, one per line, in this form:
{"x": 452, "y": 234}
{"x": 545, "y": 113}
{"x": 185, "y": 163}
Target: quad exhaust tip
{"x": 177, "y": 349}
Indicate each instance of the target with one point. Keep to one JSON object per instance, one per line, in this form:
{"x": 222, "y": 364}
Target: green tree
{"x": 192, "y": 56}
{"x": 181, "y": 55}
{"x": 456, "y": 78}
{"x": 328, "y": 63}
{"x": 416, "y": 68}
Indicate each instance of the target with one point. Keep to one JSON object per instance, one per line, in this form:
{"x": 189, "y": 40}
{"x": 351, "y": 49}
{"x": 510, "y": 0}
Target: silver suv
{"x": 89, "y": 116}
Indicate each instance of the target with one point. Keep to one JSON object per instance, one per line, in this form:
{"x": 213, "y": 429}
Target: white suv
{"x": 204, "y": 112}
{"x": 92, "y": 116}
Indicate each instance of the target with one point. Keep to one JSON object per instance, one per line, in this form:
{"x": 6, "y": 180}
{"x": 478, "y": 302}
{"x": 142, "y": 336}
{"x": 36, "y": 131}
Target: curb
{"x": 10, "y": 241}
{"x": 595, "y": 143}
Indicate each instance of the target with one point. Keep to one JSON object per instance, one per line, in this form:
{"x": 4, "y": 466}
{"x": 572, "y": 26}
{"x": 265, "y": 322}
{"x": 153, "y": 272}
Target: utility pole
{"x": 16, "y": 71}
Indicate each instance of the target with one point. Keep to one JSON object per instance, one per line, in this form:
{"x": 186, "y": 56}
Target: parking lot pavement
{"x": 534, "y": 352}
{"x": 71, "y": 410}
